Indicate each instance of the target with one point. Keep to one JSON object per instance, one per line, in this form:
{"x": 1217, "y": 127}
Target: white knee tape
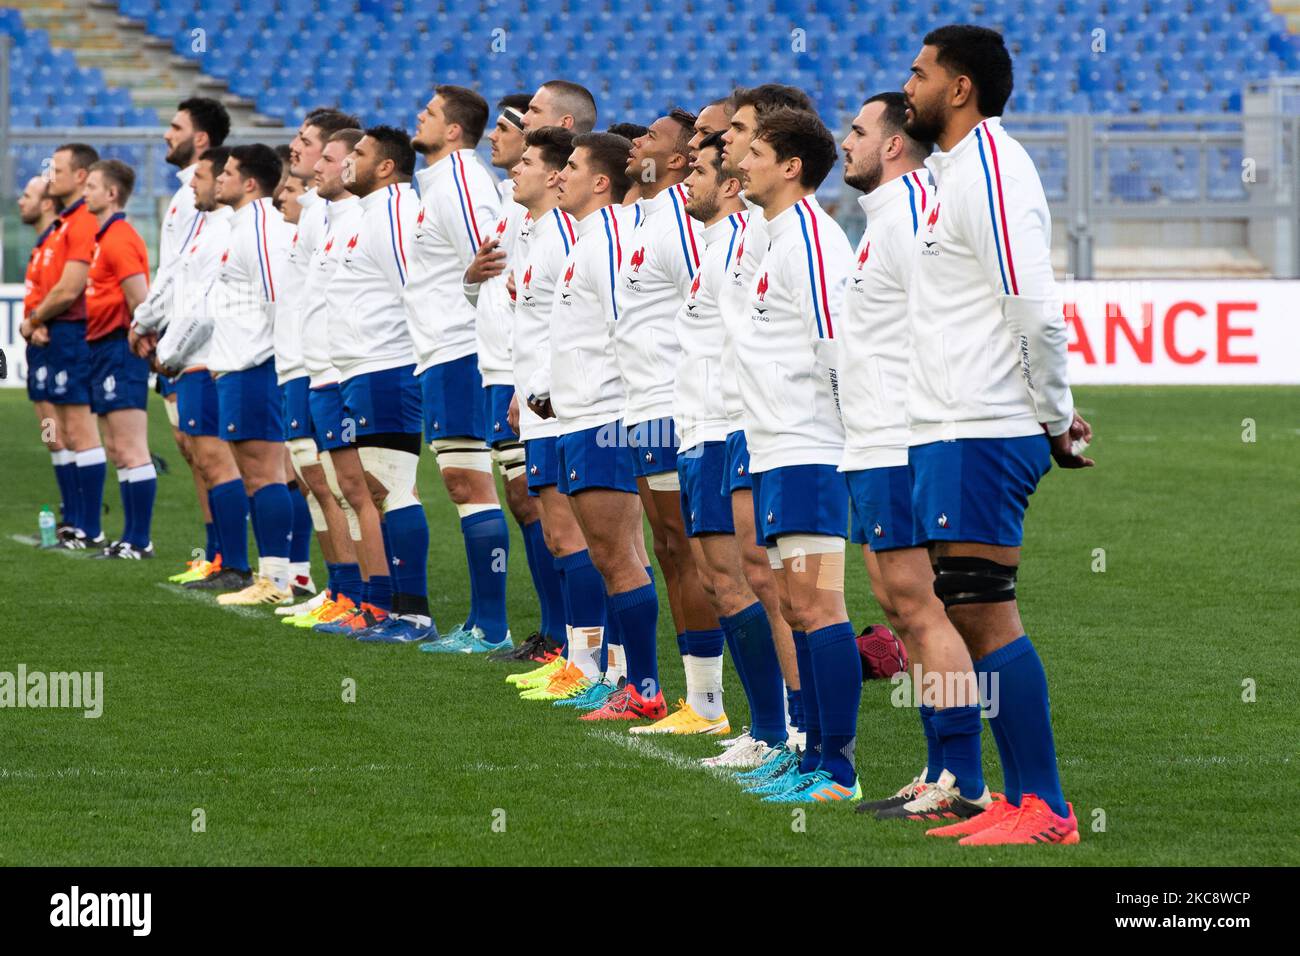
{"x": 774, "y": 558}
{"x": 802, "y": 545}
{"x": 511, "y": 460}
{"x": 173, "y": 412}
{"x": 664, "y": 481}
{"x": 467, "y": 453}
{"x": 354, "y": 525}
{"x": 303, "y": 453}
{"x": 396, "y": 471}
{"x": 332, "y": 479}
{"x": 464, "y": 511}
{"x": 317, "y": 516}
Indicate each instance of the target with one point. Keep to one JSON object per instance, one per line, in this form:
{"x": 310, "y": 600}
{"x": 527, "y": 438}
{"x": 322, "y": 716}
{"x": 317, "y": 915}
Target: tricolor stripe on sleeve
{"x": 466, "y": 200}
{"x": 565, "y": 226}
{"x": 395, "y": 230}
{"x": 615, "y": 248}
{"x": 737, "y": 221}
{"x": 685, "y": 229}
{"x": 998, "y": 211}
{"x": 816, "y": 269}
{"x": 915, "y": 191}
{"x": 263, "y": 251}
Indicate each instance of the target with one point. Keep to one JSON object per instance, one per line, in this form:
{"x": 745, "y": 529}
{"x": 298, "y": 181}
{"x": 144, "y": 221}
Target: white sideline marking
{"x": 31, "y": 541}
{"x": 646, "y": 748}
{"x": 64, "y": 773}
{"x": 202, "y": 598}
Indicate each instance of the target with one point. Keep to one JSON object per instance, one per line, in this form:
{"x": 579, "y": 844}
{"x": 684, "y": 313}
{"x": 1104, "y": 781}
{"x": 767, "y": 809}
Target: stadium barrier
{"x": 1162, "y": 332}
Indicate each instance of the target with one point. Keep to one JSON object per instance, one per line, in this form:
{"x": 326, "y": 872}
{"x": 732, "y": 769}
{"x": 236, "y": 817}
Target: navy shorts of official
{"x": 67, "y": 360}
{"x": 496, "y": 415}
{"x": 296, "y": 411}
{"x": 737, "y": 477}
{"x": 541, "y": 463}
{"x": 197, "y": 405}
{"x": 119, "y": 379}
{"x": 976, "y": 489}
{"x": 38, "y": 373}
{"x": 249, "y": 405}
{"x": 166, "y": 385}
{"x": 450, "y": 393}
{"x": 654, "y": 446}
{"x": 882, "y": 508}
{"x": 382, "y": 403}
{"x": 595, "y": 457}
{"x": 706, "y": 508}
{"x": 799, "y": 499}
{"x": 325, "y": 405}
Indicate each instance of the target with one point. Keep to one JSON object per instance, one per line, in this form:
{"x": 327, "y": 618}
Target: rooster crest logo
{"x": 740, "y": 251}
{"x": 501, "y": 226}
{"x": 294, "y": 241}
{"x": 173, "y": 212}
{"x": 568, "y": 274}
{"x": 762, "y": 287}
{"x": 695, "y": 286}
{"x": 329, "y": 245}
{"x": 638, "y": 258}
{"x": 934, "y": 218}
{"x": 352, "y": 243}
{"x": 862, "y": 258}
{"x": 224, "y": 256}
{"x": 528, "y": 277}
{"x": 419, "y": 220}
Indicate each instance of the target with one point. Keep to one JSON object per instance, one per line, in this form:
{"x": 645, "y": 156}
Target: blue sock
{"x": 1023, "y": 718}
{"x": 812, "y": 755}
{"x": 229, "y": 507}
{"x": 300, "y": 543}
{"x": 487, "y": 548}
{"x": 363, "y": 593}
{"x": 408, "y": 538}
{"x": 933, "y": 748}
{"x": 585, "y": 590}
{"x": 65, "y": 475}
{"x": 142, "y": 488}
{"x": 257, "y": 528}
{"x": 638, "y": 618}
{"x": 381, "y": 591}
{"x": 347, "y": 578}
{"x": 729, "y": 635}
{"x": 92, "y": 468}
{"x": 794, "y": 702}
{"x": 833, "y": 652}
{"x": 331, "y": 578}
{"x": 128, "y": 506}
{"x": 211, "y": 548}
{"x": 613, "y": 636}
{"x": 683, "y": 645}
{"x": 958, "y": 730}
{"x": 273, "y": 515}
{"x": 755, "y": 657}
{"x": 546, "y": 580}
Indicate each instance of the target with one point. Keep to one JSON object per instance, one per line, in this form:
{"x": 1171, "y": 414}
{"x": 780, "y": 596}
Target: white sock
{"x": 704, "y": 685}
{"x": 300, "y": 572}
{"x": 277, "y": 570}
{"x": 584, "y": 650}
{"x": 615, "y": 664}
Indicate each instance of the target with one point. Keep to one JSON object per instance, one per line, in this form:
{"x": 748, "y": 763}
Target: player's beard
{"x": 924, "y": 127}
{"x": 182, "y": 154}
{"x": 703, "y": 211}
{"x": 868, "y": 177}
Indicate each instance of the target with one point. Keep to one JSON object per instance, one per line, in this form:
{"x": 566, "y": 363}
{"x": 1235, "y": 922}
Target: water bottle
{"x": 48, "y": 524}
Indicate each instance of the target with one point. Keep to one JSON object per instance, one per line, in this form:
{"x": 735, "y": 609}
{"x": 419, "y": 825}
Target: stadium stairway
{"x": 129, "y": 57}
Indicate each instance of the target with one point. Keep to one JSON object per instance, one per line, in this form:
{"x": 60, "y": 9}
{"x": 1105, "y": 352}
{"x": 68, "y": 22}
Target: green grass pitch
{"x": 438, "y": 762}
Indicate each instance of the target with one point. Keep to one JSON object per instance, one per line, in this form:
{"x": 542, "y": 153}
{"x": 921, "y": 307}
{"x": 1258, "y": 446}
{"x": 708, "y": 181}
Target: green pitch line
{"x": 438, "y": 762}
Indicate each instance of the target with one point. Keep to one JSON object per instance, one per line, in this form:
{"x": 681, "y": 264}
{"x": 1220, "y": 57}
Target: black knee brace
{"x": 969, "y": 580}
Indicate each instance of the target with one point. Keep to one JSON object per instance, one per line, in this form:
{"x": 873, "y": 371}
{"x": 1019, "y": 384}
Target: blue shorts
{"x": 119, "y": 379}
{"x": 37, "y": 373}
{"x": 496, "y": 414}
{"x": 449, "y": 393}
{"x": 654, "y": 446}
{"x": 882, "y": 507}
{"x": 249, "y": 406}
{"x": 326, "y": 407}
{"x": 296, "y": 413}
{"x": 976, "y": 489}
{"x": 594, "y": 458}
{"x": 706, "y": 508}
{"x": 67, "y": 359}
{"x": 385, "y": 402}
{"x": 857, "y": 533}
{"x": 799, "y": 499}
{"x": 197, "y": 405}
{"x": 166, "y": 385}
{"x": 541, "y": 456}
{"x": 737, "y": 476}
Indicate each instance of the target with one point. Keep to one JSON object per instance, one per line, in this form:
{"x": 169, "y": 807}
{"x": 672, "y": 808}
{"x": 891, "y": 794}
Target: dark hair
{"x": 284, "y": 152}
{"x": 394, "y": 144}
{"x": 351, "y": 136}
{"x": 465, "y": 108}
{"x": 554, "y": 143}
{"x": 119, "y": 174}
{"x": 893, "y": 121}
{"x": 980, "y": 54}
{"x": 726, "y": 102}
{"x": 217, "y": 157}
{"x": 577, "y": 102}
{"x": 629, "y": 131}
{"x": 83, "y": 156}
{"x": 715, "y": 142}
{"x": 771, "y": 96}
{"x": 685, "y": 120}
{"x": 258, "y": 161}
{"x": 515, "y": 101}
{"x": 208, "y": 115}
{"x": 609, "y": 153}
{"x": 330, "y": 122}
{"x": 800, "y": 133}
